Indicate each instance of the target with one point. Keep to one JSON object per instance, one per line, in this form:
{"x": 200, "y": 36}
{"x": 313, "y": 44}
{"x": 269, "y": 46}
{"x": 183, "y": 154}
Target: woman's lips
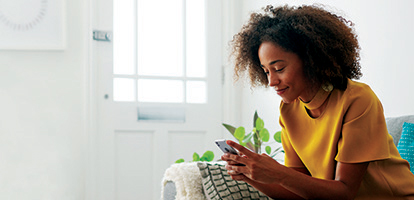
{"x": 281, "y": 91}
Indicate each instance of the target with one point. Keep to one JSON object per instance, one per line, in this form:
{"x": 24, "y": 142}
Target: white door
{"x": 159, "y": 91}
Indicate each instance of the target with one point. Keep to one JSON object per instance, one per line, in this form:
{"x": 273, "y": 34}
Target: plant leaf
{"x": 242, "y": 143}
{"x": 278, "y": 136}
{"x": 179, "y": 160}
{"x": 259, "y": 124}
{"x": 230, "y": 128}
{"x": 196, "y": 157}
{"x": 268, "y": 149}
{"x": 257, "y": 142}
{"x": 207, "y": 156}
{"x": 277, "y": 151}
{"x": 264, "y": 135}
{"x": 255, "y": 116}
{"x": 250, "y": 146}
{"x": 254, "y": 130}
{"x": 239, "y": 133}
{"x": 247, "y": 138}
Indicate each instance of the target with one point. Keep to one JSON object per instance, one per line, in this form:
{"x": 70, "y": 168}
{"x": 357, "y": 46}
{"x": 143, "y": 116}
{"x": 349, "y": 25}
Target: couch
{"x": 174, "y": 187}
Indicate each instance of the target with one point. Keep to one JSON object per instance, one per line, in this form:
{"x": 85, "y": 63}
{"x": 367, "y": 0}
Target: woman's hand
{"x": 257, "y": 167}
{"x": 278, "y": 181}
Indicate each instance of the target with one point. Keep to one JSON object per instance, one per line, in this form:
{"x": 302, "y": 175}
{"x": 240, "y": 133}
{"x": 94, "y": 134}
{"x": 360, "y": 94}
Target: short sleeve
{"x": 364, "y": 135}
{"x": 291, "y": 157}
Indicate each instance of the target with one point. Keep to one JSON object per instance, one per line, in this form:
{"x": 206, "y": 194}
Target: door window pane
{"x": 158, "y": 46}
{"x": 196, "y": 92}
{"x": 161, "y": 91}
{"x": 195, "y": 39}
{"x": 124, "y": 89}
{"x": 160, "y": 37}
{"x": 124, "y": 37}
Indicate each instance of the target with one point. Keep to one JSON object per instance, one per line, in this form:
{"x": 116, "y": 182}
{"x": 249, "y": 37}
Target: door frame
{"x": 90, "y": 103}
{"x": 231, "y": 100}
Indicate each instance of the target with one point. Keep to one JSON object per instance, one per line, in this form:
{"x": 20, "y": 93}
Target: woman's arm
{"x": 345, "y": 186}
{"x": 275, "y": 190}
{"x": 267, "y": 175}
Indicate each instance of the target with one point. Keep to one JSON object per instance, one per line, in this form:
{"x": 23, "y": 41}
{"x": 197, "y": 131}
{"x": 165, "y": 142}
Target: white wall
{"x": 42, "y": 138}
{"x": 385, "y": 34}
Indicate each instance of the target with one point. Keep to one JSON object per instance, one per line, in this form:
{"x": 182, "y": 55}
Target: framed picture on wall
{"x": 32, "y": 25}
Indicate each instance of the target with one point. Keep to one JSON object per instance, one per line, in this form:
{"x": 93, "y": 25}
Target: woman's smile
{"x": 281, "y": 91}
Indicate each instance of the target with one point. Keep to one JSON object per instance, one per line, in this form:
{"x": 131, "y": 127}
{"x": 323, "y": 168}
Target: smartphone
{"x": 225, "y": 147}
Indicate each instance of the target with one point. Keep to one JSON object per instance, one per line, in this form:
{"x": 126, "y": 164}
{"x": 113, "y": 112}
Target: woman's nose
{"x": 273, "y": 79}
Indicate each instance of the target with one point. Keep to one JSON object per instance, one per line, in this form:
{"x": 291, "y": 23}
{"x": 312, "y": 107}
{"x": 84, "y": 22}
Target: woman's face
{"x": 285, "y": 73}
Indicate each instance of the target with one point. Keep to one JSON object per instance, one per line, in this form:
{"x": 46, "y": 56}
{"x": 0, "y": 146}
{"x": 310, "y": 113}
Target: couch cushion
{"x": 218, "y": 184}
{"x": 406, "y": 144}
{"x": 394, "y": 126}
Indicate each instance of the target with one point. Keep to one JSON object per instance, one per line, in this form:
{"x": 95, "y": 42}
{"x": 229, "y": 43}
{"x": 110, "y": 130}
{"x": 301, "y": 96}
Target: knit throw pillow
{"x": 406, "y": 144}
{"x": 217, "y": 184}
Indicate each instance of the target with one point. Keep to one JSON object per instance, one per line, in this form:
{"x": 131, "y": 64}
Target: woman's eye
{"x": 279, "y": 70}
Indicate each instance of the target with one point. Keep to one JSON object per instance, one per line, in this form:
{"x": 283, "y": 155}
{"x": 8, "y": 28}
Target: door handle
{"x": 105, "y": 36}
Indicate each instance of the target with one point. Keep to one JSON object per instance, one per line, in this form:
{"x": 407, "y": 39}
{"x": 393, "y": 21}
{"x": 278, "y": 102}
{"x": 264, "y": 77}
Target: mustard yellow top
{"x": 351, "y": 129}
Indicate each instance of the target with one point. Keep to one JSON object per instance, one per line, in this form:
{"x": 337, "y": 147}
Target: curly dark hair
{"x": 325, "y": 42}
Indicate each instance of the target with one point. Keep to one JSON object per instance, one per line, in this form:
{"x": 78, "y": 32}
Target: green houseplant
{"x": 254, "y": 140}
{"x": 257, "y": 137}
{"x": 207, "y": 156}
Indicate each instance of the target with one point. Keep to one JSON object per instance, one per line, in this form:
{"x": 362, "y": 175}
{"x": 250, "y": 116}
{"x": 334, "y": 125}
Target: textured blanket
{"x": 187, "y": 180}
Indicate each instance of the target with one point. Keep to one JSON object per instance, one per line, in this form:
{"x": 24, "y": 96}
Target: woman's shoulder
{"x": 358, "y": 99}
{"x": 360, "y": 92}
{"x": 355, "y": 88}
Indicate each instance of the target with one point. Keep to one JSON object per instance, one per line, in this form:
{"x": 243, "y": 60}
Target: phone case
{"x": 225, "y": 147}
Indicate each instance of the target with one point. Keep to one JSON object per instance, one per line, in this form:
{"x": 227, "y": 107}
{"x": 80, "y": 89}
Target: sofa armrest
{"x": 170, "y": 191}
{"x": 182, "y": 181}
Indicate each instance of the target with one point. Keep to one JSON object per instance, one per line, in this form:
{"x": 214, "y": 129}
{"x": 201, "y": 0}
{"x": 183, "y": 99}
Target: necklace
{"x": 317, "y": 100}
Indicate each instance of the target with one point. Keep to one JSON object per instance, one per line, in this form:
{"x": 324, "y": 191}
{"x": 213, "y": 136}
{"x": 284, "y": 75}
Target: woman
{"x": 333, "y": 128}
